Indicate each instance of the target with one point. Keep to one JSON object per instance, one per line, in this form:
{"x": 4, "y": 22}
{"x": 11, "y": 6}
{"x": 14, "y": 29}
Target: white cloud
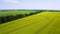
{"x": 11, "y": 1}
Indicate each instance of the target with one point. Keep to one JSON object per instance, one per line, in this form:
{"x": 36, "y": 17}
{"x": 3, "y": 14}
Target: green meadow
{"x": 41, "y": 23}
{"x": 15, "y": 12}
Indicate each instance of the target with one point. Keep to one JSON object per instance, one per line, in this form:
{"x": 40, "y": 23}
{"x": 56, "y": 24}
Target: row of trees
{"x": 11, "y": 18}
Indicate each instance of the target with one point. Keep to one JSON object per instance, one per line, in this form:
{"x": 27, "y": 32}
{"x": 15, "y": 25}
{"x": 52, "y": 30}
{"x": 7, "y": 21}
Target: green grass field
{"x": 42, "y": 23}
{"x": 8, "y": 13}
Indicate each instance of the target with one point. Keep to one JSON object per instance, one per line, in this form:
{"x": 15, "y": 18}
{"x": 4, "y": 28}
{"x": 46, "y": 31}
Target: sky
{"x": 30, "y": 4}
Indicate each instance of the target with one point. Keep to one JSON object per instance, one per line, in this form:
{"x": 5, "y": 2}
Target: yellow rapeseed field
{"x": 42, "y": 23}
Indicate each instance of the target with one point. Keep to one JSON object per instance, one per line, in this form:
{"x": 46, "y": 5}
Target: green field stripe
{"x": 8, "y": 13}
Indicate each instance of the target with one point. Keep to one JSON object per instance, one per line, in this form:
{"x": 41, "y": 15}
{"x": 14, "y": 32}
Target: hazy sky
{"x": 30, "y": 4}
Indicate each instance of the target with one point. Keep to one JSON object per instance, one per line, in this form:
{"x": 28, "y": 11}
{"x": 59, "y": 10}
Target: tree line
{"x": 11, "y": 18}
